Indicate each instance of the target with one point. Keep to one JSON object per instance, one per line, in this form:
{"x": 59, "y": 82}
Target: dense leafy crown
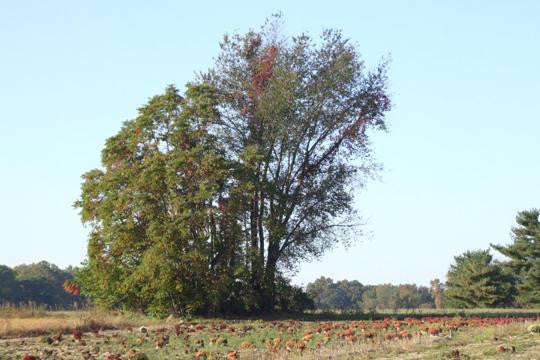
{"x": 204, "y": 199}
{"x": 475, "y": 281}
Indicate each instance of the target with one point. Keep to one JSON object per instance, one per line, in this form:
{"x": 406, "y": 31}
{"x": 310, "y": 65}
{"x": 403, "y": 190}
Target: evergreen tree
{"x": 475, "y": 281}
{"x": 524, "y": 257}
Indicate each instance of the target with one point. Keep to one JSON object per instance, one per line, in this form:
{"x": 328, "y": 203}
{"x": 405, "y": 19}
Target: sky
{"x": 461, "y": 156}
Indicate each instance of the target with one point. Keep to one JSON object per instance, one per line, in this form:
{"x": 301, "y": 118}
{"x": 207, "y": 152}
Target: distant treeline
{"x": 474, "y": 280}
{"x": 344, "y": 294}
{"x": 41, "y": 283}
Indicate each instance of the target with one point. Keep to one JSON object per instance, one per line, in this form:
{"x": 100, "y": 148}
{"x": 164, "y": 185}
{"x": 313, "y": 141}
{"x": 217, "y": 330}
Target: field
{"x": 113, "y": 336}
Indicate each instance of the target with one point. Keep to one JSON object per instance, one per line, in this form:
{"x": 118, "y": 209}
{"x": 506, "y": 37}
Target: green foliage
{"x": 476, "y": 281}
{"x": 437, "y": 292}
{"x": 40, "y": 283}
{"x": 159, "y": 241}
{"x": 344, "y": 294}
{"x": 8, "y": 285}
{"x": 524, "y": 257}
{"x": 291, "y": 298}
{"x": 329, "y": 295}
{"x": 295, "y": 113}
{"x": 204, "y": 198}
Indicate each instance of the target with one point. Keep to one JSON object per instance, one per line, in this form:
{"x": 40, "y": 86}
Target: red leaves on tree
{"x": 265, "y": 69}
{"x": 352, "y": 130}
{"x": 223, "y": 205}
{"x": 72, "y": 288}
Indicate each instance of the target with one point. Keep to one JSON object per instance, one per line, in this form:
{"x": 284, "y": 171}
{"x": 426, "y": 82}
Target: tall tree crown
{"x": 220, "y": 190}
{"x": 524, "y": 257}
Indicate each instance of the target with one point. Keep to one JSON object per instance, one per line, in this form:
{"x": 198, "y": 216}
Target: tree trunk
{"x": 269, "y": 288}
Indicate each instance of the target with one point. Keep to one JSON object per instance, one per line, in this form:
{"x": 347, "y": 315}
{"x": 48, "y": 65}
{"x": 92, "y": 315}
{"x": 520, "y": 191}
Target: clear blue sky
{"x": 461, "y": 158}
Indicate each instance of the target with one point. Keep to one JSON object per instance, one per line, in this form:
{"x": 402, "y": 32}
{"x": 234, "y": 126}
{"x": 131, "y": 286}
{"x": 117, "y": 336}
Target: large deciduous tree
{"x": 524, "y": 257}
{"x": 295, "y": 113}
{"x": 161, "y": 239}
{"x": 204, "y": 199}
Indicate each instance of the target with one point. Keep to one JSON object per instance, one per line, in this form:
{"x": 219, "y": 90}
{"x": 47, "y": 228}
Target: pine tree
{"x": 475, "y": 281}
{"x": 524, "y": 255}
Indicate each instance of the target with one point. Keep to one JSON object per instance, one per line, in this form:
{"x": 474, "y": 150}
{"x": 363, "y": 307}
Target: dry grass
{"x": 23, "y": 310}
{"x": 28, "y": 324}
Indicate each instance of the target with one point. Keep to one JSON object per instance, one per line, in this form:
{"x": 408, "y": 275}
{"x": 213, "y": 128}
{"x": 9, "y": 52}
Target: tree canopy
{"x": 524, "y": 257}
{"x": 41, "y": 283}
{"x": 345, "y": 294}
{"x": 474, "y": 280}
{"x": 206, "y": 198}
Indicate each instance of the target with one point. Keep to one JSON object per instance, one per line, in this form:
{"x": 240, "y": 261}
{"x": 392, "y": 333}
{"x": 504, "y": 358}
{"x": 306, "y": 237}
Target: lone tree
{"x": 295, "y": 115}
{"x": 475, "y": 281}
{"x": 524, "y": 255}
{"x": 204, "y": 199}
{"x": 437, "y": 292}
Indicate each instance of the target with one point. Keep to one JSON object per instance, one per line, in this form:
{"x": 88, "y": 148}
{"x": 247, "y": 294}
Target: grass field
{"x": 497, "y": 334}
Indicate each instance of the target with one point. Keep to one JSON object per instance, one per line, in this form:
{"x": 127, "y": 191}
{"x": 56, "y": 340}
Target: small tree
{"x": 475, "y": 281}
{"x": 524, "y": 255}
{"x": 437, "y": 292}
